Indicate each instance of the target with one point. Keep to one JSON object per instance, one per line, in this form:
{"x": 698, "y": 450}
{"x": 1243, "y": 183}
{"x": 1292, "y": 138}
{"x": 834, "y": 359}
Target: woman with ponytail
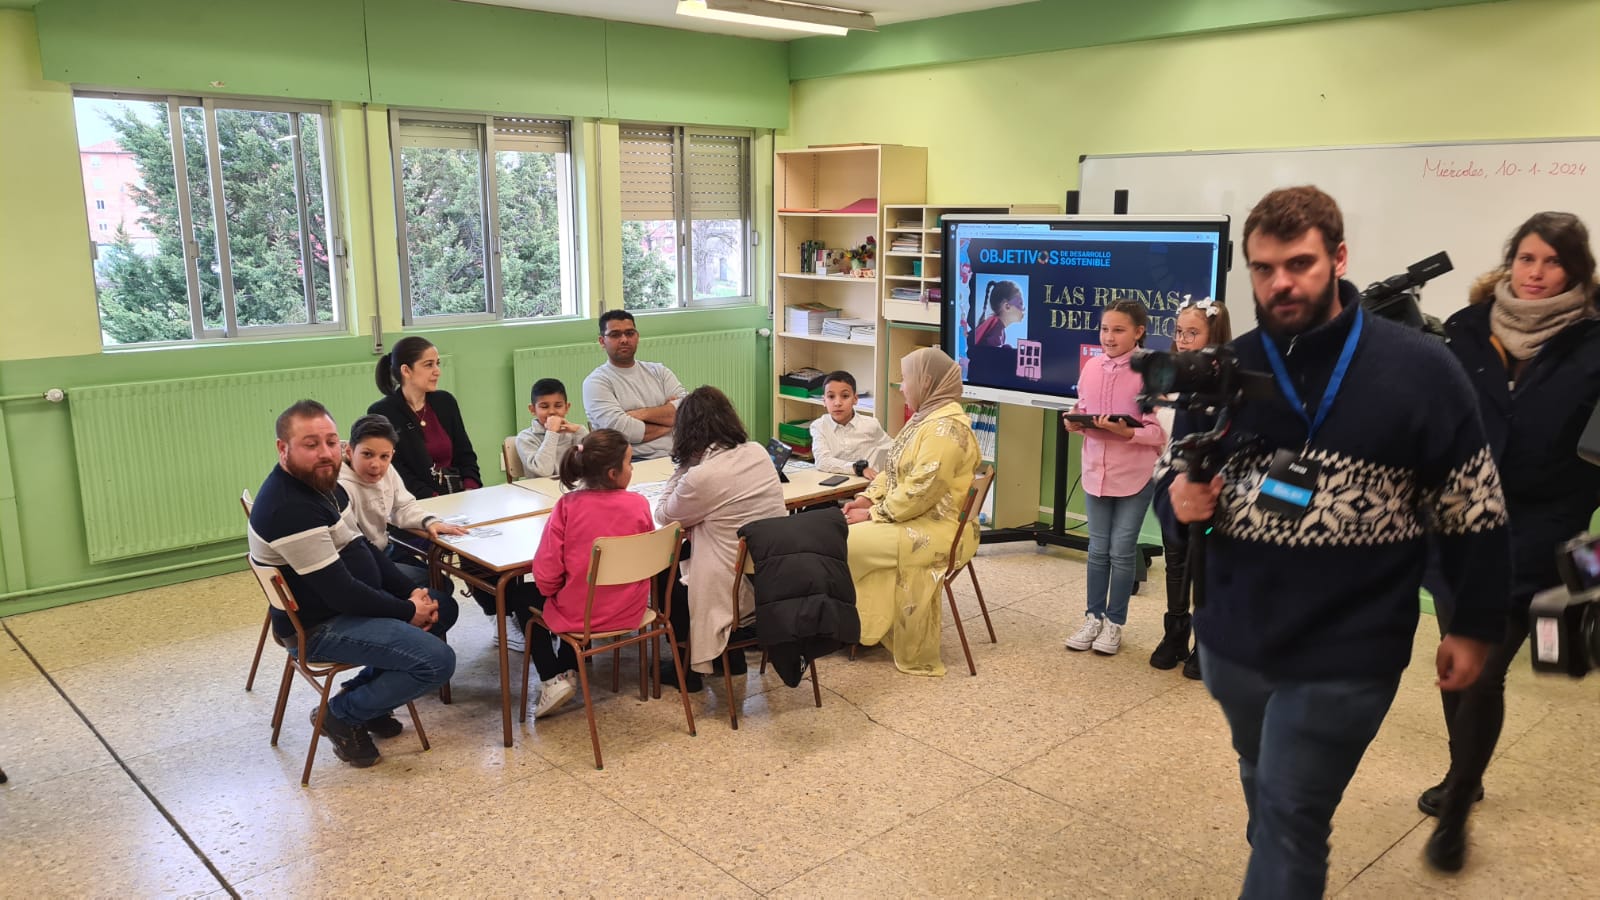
{"x": 434, "y": 455}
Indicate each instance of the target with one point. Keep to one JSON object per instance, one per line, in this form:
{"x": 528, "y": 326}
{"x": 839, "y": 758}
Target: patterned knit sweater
{"x": 1334, "y": 593}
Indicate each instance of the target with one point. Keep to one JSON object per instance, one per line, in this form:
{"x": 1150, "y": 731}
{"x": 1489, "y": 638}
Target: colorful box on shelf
{"x": 796, "y": 433}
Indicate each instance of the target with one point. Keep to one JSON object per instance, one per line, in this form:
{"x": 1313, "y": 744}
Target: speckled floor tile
{"x": 40, "y": 736}
{"x": 93, "y": 833}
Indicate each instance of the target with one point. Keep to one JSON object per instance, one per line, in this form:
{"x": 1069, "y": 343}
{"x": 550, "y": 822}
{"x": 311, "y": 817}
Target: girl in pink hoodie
{"x": 600, "y": 466}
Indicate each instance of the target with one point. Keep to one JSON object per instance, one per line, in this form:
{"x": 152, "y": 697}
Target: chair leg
{"x": 316, "y": 731}
{"x": 527, "y": 663}
{"x": 261, "y": 642}
{"x": 417, "y": 724}
{"x": 853, "y": 649}
{"x": 683, "y": 687}
{"x": 644, "y": 660}
{"x": 727, "y": 679}
{"x": 588, "y": 710}
{"x": 960, "y": 630}
{"x": 816, "y": 689}
{"x": 283, "y": 697}
{"x": 982, "y": 605}
{"x": 763, "y": 669}
{"x": 616, "y": 670}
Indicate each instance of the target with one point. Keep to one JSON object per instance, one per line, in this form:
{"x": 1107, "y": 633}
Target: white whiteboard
{"x": 1400, "y": 203}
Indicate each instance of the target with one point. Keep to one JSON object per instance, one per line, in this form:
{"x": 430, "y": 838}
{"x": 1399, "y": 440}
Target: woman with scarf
{"x": 1530, "y": 342}
{"x": 902, "y": 526}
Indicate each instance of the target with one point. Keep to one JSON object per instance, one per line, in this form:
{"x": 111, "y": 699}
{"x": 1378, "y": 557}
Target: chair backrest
{"x": 247, "y": 503}
{"x": 743, "y": 564}
{"x": 633, "y": 558}
{"x": 511, "y": 460}
{"x": 981, "y": 481}
{"x": 272, "y": 584}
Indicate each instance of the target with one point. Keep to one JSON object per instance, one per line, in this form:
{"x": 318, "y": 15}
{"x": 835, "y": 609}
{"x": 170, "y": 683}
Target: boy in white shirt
{"x": 542, "y": 444}
{"x": 378, "y": 498}
{"x": 841, "y": 441}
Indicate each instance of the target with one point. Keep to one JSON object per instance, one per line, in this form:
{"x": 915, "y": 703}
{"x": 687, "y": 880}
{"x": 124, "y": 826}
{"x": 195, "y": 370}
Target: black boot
{"x": 1174, "y": 646}
{"x": 1432, "y": 799}
{"x": 1191, "y": 667}
{"x": 1447, "y": 849}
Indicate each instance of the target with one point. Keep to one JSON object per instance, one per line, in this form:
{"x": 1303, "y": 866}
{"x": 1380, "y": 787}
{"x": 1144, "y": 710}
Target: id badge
{"x": 1290, "y": 485}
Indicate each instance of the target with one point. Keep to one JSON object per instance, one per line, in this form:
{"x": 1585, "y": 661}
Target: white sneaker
{"x": 555, "y": 692}
{"x": 1110, "y": 640}
{"x": 1086, "y": 635}
{"x": 513, "y": 638}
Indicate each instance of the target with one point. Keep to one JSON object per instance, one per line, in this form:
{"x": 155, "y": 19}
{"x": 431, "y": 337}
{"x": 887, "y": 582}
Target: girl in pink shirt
{"x": 1118, "y": 460}
{"x": 602, "y": 507}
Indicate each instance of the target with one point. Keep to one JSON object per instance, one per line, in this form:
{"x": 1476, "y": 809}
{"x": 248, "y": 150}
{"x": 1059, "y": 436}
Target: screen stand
{"x": 1056, "y": 533}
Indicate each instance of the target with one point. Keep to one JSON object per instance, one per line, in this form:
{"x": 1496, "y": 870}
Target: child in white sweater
{"x": 378, "y": 498}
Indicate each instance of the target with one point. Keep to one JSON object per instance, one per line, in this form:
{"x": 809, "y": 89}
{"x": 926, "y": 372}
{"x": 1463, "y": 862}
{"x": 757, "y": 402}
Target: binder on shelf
{"x": 807, "y": 318}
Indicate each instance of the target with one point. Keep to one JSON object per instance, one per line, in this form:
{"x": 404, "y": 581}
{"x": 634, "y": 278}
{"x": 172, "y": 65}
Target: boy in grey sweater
{"x": 542, "y": 444}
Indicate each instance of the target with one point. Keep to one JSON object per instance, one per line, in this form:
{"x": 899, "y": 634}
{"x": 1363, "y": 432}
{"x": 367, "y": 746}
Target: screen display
{"x": 1024, "y": 294}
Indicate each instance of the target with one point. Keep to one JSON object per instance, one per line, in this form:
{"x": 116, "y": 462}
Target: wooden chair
{"x": 266, "y": 623}
{"x": 319, "y": 674}
{"x": 743, "y": 566}
{"x": 510, "y": 460}
{"x": 981, "y": 481}
{"x": 622, "y": 560}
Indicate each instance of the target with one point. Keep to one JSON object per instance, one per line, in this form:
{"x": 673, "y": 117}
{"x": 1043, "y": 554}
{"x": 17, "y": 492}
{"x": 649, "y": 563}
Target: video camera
{"x": 1565, "y": 621}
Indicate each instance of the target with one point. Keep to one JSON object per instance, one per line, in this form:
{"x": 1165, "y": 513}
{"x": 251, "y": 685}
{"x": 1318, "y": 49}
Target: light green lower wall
{"x": 1012, "y": 130}
{"x": 52, "y": 531}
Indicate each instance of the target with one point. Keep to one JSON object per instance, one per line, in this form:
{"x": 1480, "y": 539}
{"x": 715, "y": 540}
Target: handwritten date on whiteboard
{"x": 1504, "y": 168}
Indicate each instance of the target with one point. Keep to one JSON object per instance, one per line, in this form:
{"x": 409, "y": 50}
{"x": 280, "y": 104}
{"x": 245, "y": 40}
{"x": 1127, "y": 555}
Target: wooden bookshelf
{"x": 921, "y": 223}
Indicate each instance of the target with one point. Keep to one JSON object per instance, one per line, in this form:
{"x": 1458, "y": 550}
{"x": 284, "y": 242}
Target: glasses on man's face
{"x": 1191, "y": 334}
{"x": 619, "y": 335}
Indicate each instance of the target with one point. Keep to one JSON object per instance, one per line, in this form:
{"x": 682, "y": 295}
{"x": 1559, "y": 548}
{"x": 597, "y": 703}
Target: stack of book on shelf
{"x": 905, "y": 293}
{"x": 985, "y": 423}
{"x": 905, "y": 243}
{"x": 864, "y": 334}
{"x": 844, "y": 328}
{"x": 908, "y": 223}
{"x": 808, "y": 318}
{"x": 806, "y": 382}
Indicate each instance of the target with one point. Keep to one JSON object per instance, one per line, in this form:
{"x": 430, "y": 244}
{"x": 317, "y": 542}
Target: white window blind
{"x": 649, "y": 173}
{"x": 440, "y": 135}
{"x": 532, "y": 135}
{"x": 718, "y": 169}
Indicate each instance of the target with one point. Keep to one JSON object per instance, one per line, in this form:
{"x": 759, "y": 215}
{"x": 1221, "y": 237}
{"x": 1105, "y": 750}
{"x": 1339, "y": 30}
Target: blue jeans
{"x": 1113, "y": 548}
{"x": 405, "y": 559}
{"x": 402, "y": 661}
{"x": 1299, "y": 743}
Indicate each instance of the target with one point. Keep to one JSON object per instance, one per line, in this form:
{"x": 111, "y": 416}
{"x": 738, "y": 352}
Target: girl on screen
{"x": 1004, "y": 307}
{"x": 1118, "y": 462}
{"x": 1199, "y": 324}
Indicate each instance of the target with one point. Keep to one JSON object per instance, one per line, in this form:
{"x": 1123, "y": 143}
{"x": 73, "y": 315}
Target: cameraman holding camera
{"x": 1529, "y": 339}
{"x": 1320, "y": 517}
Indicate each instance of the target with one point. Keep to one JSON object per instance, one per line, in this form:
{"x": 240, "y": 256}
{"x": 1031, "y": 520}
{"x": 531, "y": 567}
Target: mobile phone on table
{"x": 833, "y": 480}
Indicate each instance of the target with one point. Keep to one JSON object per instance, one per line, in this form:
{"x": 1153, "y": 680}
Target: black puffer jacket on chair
{"x": 805, "y": 600}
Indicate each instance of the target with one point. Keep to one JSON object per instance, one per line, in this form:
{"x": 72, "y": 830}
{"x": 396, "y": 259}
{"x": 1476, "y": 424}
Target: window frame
{"x": 337, "y": 252}
{"x": 489, "y": 199}
{"x": 684, "y": 221}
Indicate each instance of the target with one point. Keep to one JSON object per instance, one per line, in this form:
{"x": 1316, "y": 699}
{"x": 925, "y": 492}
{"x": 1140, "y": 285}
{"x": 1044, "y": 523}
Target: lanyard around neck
{"x": 1281, "y": 376}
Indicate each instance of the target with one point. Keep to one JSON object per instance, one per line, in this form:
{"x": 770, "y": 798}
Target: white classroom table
{"x": 803, "y": 488}
{"x": 486, "y": 505}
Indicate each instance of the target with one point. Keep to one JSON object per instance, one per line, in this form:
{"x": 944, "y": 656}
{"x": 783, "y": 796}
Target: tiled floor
{"x": 144, "y": 769}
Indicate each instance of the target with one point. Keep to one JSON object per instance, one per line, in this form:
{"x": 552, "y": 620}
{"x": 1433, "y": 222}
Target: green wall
{"x": 1012, "y": 130}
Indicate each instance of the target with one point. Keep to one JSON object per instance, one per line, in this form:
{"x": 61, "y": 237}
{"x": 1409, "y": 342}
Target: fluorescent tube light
{"x": 805, "y": 17}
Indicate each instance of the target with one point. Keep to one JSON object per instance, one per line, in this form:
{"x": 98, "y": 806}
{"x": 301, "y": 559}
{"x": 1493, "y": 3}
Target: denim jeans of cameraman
{"x": 1299, "y": 743}
{"x": 402, "y": 662}
{"x": 1113, "y": 550}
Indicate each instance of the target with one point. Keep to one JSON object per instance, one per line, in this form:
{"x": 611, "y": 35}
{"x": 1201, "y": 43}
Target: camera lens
{"x": 1159, "y": 370}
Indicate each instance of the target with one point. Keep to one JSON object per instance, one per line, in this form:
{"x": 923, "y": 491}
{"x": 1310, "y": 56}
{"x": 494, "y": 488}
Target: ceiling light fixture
{"x": 808, "y": 17}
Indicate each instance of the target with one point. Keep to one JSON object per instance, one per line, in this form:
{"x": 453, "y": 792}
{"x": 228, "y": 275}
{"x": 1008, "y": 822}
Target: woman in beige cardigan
{"x": 902, "y": 526}
{"x": 722, "y": 481}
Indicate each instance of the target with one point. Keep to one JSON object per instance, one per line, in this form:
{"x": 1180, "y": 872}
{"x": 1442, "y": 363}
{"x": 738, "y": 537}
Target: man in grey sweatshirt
{"x": 639, "y": 399}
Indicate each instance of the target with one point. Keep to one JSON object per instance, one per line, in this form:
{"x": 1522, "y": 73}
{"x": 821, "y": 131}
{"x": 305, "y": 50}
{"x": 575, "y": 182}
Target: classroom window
{"x": 686, "y": 216}
{"x": 486, "y": 207}
{"x": 177, "y": 272}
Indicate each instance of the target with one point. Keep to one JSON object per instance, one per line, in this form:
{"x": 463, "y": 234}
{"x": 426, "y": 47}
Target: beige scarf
{"x": 929, "y": 379}
{"x": 1523, "y": 326}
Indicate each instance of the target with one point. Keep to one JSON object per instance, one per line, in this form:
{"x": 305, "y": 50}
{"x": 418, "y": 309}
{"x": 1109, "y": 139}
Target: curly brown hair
{"x": 706, "y": 418}
{"x": 1287, "y": 213}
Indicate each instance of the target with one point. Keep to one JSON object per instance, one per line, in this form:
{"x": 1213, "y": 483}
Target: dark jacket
{"x": 1333, "y": 594}
{"x": 1533, "y": 432}
{"x": 805, "y": 600}
{"x": 411, "y": 458}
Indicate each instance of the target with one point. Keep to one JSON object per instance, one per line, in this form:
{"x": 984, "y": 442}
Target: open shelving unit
{"x": 919, "y": 268}
{"x": 810, "y": 186}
